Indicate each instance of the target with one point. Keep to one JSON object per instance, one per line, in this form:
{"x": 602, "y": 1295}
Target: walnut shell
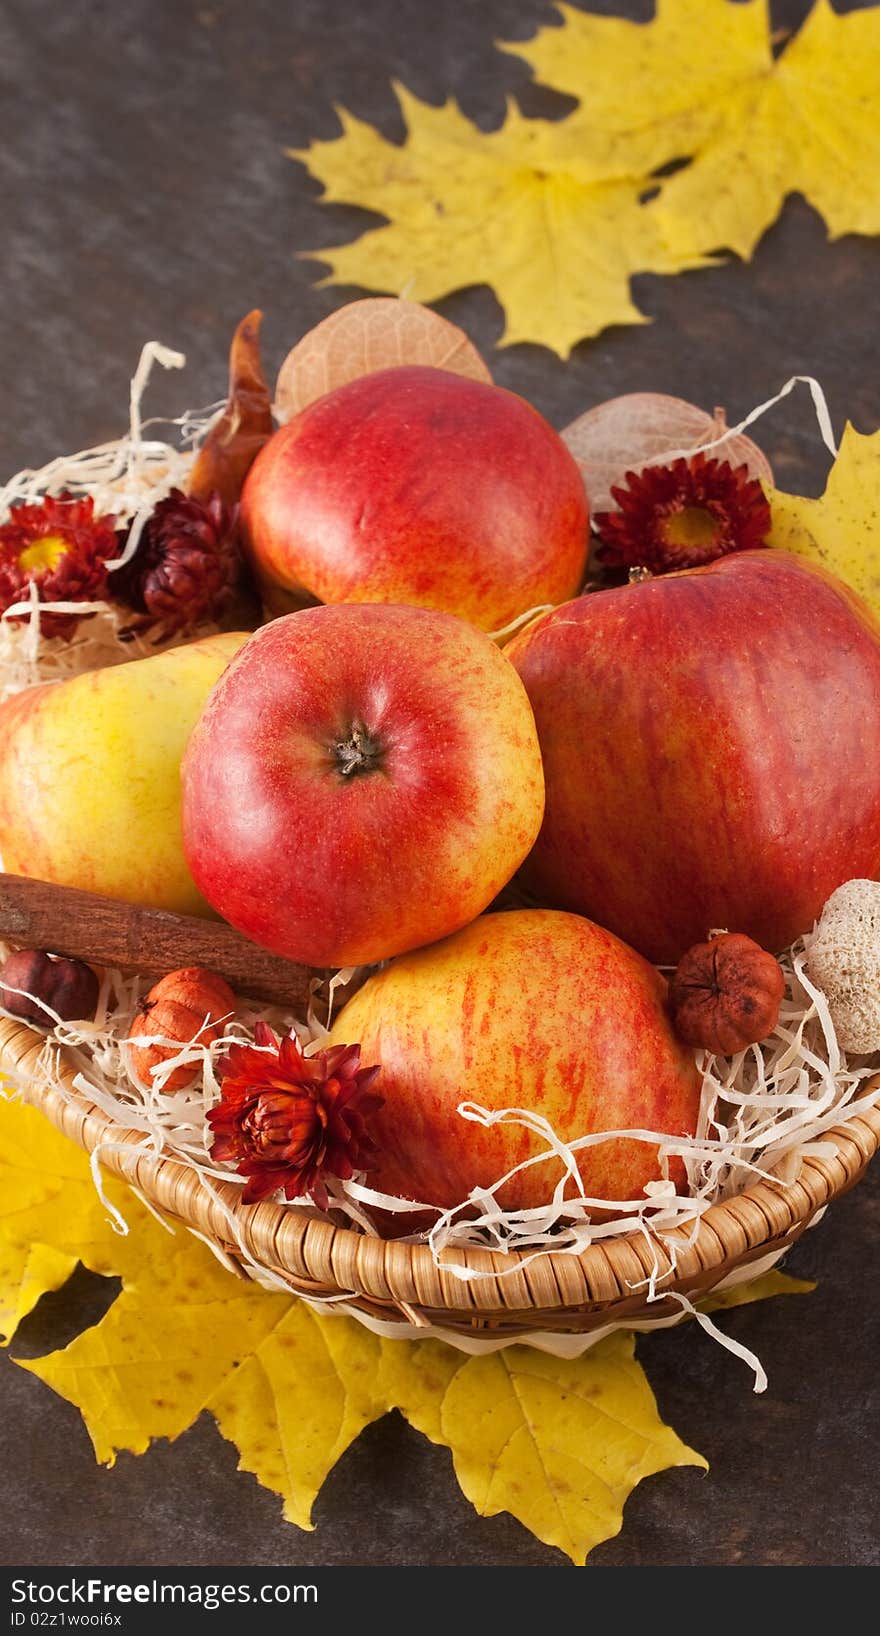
{"x": 725, "y": 994}
{"x": 69, "y": 988}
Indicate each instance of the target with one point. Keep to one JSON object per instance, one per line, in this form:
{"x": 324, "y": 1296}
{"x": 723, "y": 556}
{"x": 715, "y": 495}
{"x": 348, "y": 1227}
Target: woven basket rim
{"x": 316, "y": 1257}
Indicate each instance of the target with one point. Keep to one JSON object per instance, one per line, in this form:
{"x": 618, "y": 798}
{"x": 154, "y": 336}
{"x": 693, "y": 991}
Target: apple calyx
{"x": 360, "y": 753}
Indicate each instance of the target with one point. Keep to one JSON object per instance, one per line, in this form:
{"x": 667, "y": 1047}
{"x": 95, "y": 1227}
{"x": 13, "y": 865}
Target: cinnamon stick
{"x": 36, "y": 914}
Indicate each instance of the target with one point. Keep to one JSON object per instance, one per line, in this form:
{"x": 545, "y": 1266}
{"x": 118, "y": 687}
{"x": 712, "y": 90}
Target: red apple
{"x": 365, "y": 780}
{"x": 711, "y": 745}
{"x": 416, "y": 485}
{"x": 530, "y": 1009}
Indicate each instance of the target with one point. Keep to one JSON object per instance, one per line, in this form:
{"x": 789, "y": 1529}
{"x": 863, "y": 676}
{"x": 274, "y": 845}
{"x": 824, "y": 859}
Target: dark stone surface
{"x": 146, "y": 194}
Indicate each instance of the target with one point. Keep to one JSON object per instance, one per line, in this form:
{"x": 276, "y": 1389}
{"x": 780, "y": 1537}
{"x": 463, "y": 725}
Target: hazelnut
{"x": 48, "y": 984}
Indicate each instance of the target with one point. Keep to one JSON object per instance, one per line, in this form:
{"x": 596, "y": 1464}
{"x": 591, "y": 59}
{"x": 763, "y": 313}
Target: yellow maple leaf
{"x": 524, "y": 208}
{"x": 183, "y": 1335}
{"x": 840, "y": 530}
{"x": 700, "y": 82}
{"x": 758, "y": 1289}
{"x": 552, "y": 213}
{"x": 291, "y": 1388}
{"x": 51, "y": 1216}
{"x": 808, "y": 123}
{"x": 559, "y": 1443}
{"x": 298, "y": 1402}
{"x": 287, "y": 1387}
{"x": 649, "y": 92}
{"x": 27, "y": 1271}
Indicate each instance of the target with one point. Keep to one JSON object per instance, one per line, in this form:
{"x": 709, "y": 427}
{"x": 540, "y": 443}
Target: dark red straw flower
{"x": 186, "y": 563}
{"x": 62, "y": 548}
{"x": 286, "y": 1120}
{"x": 683, "y": 515}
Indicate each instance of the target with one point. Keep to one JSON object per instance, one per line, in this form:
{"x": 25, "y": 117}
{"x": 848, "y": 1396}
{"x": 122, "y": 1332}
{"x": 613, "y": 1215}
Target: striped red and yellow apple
{"x": 415, "y": 485}
{"x": 531, "y": 1009}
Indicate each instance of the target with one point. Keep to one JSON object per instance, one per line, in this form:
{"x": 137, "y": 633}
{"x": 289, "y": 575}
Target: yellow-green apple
{"x": 531, "y": 1009}
{"x": 363, "y": 780}
{"x": 416, "y": 485}
{"x": 90, "y": 775}
{"x": 711, "y": 745}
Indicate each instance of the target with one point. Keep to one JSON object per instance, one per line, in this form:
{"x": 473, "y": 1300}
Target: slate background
{"x": 145, "y": 194}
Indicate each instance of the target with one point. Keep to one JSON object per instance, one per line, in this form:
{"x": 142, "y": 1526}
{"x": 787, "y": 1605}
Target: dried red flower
{"x": 186, "y": 563}
{"x": 683, "y": 515}
{"x": 62, "y": 548}
{"x": 287, "y": 1120}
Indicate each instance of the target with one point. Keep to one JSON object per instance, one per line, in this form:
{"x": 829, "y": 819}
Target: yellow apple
{"x": 90, "y": 775}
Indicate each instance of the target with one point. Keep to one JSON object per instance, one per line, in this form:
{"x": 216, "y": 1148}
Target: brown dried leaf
{"x": 233, "y": 444}
{"x": 364, "y": 336}
{"x": 633, "y": 431}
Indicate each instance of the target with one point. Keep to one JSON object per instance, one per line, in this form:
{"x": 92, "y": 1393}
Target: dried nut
{"x": 843, "y": 959}
{"x": 185, "y": 1004}
{"x": 726, "y": 994}
{"x": 67, "y": 988}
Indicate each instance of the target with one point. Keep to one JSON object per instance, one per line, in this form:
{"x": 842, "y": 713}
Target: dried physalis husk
{"x": 378, "y": 333}
{"x": 183, "y": 1007}
{"x": 641, "y": 429}
{"x": 236, "y": 439}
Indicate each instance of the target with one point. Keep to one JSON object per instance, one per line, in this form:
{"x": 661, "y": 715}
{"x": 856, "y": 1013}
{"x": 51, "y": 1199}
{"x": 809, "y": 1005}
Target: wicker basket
{"x": 571, "y": 1294}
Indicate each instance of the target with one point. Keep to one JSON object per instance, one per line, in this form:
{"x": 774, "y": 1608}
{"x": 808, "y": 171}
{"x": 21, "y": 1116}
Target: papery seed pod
{"x": 183, "y": 1006}
{"x": 630, "y": 432}
{"x": 380, "y": 332}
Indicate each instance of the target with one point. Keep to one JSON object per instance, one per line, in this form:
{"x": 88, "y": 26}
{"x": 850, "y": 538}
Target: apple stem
{"x": 360, "y": 753}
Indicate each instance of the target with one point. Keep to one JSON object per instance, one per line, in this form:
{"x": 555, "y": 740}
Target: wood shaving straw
{"x": 125, "y": 478}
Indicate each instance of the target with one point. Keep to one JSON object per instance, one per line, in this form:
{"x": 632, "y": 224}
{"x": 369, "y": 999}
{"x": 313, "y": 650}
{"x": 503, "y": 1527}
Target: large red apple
{"x": 711, "y": 745}
{"x": 416, "y": 485}
{"x": 365, "y": 779}
{"x": 530, "y": 1009}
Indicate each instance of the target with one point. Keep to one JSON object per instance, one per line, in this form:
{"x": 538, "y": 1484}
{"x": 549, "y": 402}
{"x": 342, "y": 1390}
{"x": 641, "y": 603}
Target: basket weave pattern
{"x": 389, "y": 1280}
